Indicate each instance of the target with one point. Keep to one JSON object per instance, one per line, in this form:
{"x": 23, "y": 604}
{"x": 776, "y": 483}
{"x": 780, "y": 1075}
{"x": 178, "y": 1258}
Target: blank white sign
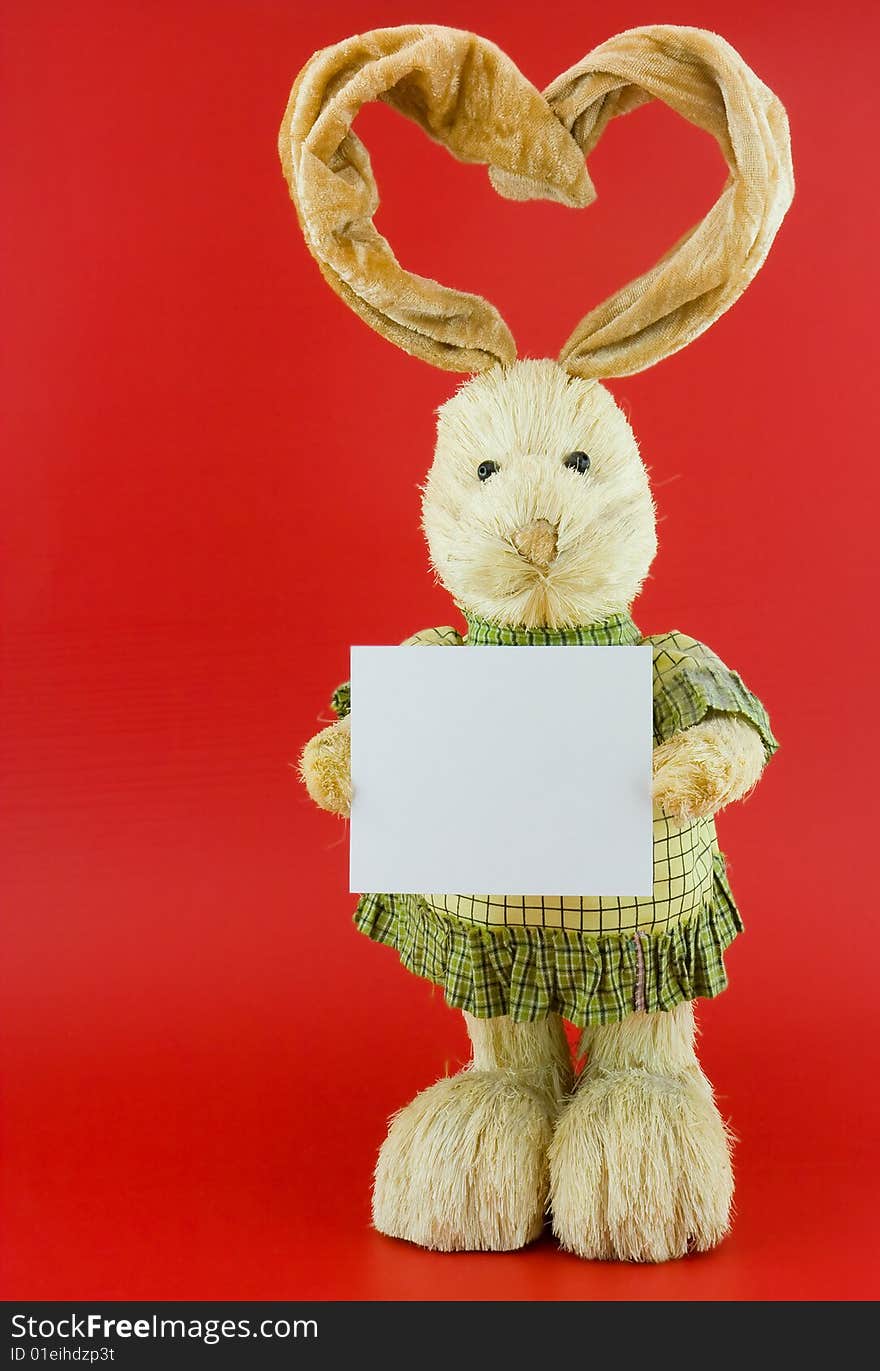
{"x": 505, "y": 770}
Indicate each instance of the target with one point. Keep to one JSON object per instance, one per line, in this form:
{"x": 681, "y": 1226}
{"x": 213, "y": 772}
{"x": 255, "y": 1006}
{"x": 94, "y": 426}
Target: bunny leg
{"x": 464, "y": 1166}
{"x": 640, "y": 1160}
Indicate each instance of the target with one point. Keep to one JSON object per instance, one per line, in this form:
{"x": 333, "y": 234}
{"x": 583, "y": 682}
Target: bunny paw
{"x": 325, "y": 768}
{"x": 464, "y": 1166}
{"x": 640, "y": 1167}
{"x": 700, "y": 770}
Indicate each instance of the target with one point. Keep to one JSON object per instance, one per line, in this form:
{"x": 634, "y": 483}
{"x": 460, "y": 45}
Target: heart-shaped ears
{"x": 465, "y": 93}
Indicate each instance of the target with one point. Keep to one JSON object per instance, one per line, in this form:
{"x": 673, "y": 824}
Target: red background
{"x": 210, "y": 490}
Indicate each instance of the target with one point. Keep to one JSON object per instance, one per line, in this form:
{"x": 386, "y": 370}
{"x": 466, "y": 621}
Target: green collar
{"x": 616, "y": 631}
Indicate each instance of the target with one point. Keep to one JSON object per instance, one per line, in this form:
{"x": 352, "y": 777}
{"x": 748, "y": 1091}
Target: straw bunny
{"x": 540, "y": 523}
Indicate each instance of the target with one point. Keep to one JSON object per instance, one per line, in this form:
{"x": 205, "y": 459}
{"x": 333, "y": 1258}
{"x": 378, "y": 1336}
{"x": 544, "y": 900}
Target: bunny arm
{"x": 696, "y": 772}
{"x": 703, "y": 768}
{"x": 325, "y": 761}
{"x": 325, "y": 767}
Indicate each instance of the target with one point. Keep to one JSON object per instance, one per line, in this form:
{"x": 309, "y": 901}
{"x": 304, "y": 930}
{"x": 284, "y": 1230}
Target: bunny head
{"x": 537, "y": 509}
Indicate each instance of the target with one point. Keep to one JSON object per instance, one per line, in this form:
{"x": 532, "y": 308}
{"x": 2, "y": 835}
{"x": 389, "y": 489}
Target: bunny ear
{"x": 468, "y": 96}
{"x": 700, "y": 76}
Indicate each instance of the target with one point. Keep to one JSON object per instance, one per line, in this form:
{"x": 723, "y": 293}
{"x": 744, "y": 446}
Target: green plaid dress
{"x": 591, "y": 959}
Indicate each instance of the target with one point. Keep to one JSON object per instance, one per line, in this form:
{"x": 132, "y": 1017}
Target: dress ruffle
{"x": 528, "y": 973}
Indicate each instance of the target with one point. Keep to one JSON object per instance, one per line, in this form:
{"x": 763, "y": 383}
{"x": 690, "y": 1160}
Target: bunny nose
{"x": 536, "y": 542}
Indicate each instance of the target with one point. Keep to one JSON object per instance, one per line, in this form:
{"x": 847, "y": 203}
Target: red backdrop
{"x": 210, "y": 490}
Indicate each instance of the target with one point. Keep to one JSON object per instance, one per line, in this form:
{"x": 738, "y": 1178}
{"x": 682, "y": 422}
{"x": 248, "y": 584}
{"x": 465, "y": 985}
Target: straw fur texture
{"x": 325, "y": 768}
{"x": 465, "y": 1164}
{"x": 526, "y": 419}
{"x": 538, "y": 514}
{"x": 638, "y": 1166}
{"x": 699, "y": 771}
{"x": 640, "y": 1160}
{"x": 696, "y": 773}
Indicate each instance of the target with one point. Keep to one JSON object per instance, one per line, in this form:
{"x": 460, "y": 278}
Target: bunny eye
{"x": 486, "y": 469}
{"x": 577, "y": 461}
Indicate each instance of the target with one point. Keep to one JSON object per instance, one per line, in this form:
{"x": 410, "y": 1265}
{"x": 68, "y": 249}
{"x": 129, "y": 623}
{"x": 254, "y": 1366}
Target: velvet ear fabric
{"x": 705, "y": 80}
{"x": 466, "y": 94}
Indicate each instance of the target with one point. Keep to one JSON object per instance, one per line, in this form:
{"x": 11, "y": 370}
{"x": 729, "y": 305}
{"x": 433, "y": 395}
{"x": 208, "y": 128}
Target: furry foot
{"x": 464, "y": 1166}
{"x": 640, "y": 1166}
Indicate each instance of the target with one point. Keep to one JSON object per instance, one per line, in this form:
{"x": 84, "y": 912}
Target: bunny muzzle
{"x": 537, "y": 543}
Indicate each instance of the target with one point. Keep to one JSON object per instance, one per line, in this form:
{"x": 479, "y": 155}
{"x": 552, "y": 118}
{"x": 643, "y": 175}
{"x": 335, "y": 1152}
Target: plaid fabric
{"x": 435, "y": 637}
{"x": 531, "y": 972}
{"x": 616, "y": 631}
{"x": 691, "y": 682}
{"x": 683, "y": 875}
{"x": 340, "y": 700}
{"x": 592, "y": 959}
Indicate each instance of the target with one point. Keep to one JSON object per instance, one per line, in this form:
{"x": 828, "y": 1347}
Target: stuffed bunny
{"x": 540, "y": 523}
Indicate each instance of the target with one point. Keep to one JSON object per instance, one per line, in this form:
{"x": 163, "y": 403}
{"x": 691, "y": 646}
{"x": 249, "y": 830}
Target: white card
{"x": 510, "y": 770}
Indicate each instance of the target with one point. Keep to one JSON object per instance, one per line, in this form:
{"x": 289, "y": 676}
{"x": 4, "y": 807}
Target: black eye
{"x": 578, "y": 461}
{"x": 486, "y": 469}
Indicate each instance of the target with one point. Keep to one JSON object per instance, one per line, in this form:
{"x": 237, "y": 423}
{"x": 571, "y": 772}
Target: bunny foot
{"x": 464, "y": 1166}
{"x": 640, "y": 1161}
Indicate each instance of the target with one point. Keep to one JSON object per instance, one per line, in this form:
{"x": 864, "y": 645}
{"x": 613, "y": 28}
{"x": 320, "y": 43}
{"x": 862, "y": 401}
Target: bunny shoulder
{"x": 692, "y": 684}
{"x": 712, "y": 735}
{"x": 435, "y": 637}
